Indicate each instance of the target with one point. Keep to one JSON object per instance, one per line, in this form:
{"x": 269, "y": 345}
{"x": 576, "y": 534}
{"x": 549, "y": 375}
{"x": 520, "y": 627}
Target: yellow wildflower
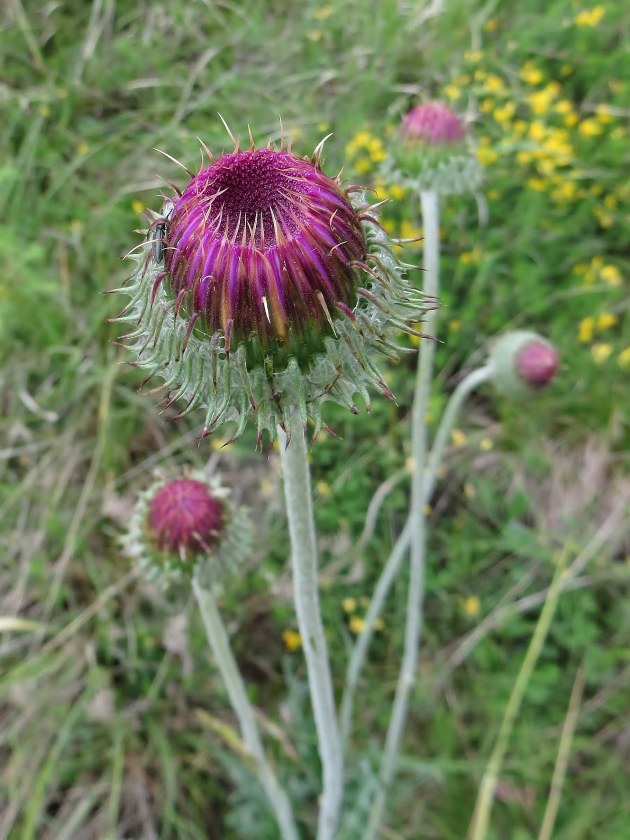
{"x": 323, "y": 488}
{"x": 538, "y": 184}
{"x": 539, "y": 102}
{"x": 610, "y": 202}
{"x": 485, "y": 444}
{"x": 570, "y": 120}
{"x": 600, "y": 352}
{"x": 348, "y": 605}
{"x": 491, "y": 25}
{"x": 586, "y": 329}
{"x": 363, "y": 165}
{"x": 537, "y": 130}
{"x": 356, "y": 624}
{"x": 606, "y": 320}
{"x": 323, "y": 13}
{"x": 458, "y": 437}
{"x": 565, "y": 106}
{"x": 566, "y": 70}
{"x": 292, "y": 640}
{"x": 505, "y": 112}
{"x": 590, "y": 127}
{"x": 494, "y": 83}
{"x": 610, "y": 274}
{"x": 397, "y": 192}
{"x": 471, "y": 257}
{"x": 524, "y": 158}
{"x": 323, "y": 126}
{"x": 530, "y": 74}
{"x": 83, "y": 148}
{"x": 603, "y": 114}
{"x": 590, "y": 17}
{"x": 455, "y": 325}
{"x": 137, "y": 206}
{"x": 624, "y": 359}
{"x": 604, "y": 218}
{"x": 471, "y": 606}
{"x": 473, "y": 56}
{"x": 486, "y": 105}
{"x": 486, "y": 156}
{"x": 452, "y": 92}
{"x": 44, "y": 110}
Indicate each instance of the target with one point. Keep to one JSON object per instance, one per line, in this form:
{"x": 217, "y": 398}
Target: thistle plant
{"x": 187, "y": 529}
{"x": 262, "y": 290}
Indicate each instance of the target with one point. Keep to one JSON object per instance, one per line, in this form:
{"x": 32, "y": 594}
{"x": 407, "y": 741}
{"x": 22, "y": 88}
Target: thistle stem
{"x": 226, "y": 663}
{"x": 397, "y": 555}
{"x": 413, "y": 625}
{"x": 297, "y": 491}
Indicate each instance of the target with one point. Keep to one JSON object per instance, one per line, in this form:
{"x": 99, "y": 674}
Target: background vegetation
{"x": 112, "y": 720}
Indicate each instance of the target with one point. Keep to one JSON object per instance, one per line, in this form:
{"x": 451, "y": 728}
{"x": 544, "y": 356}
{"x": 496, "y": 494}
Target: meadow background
{"x": 113, "y": 723}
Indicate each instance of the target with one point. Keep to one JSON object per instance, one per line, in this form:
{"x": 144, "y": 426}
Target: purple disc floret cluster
{"x": 263, "y": 243}
{"x": 184, "y": 517}
{"x": 432, "y": 123}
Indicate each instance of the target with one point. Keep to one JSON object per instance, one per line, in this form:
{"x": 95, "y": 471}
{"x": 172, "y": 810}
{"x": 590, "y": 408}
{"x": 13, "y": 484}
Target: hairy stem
{"x": 413, "y": 625}
{"x": 297, "y": 492}
{"x": 226, "y": 663}
{"x": 394, "y": 561}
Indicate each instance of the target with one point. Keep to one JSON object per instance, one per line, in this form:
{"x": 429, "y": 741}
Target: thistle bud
{"x": 263, "y": 289}
{"x": 523, "y": 363}
{"x": 182, "y": 525}
{"x": 433, "y": 152}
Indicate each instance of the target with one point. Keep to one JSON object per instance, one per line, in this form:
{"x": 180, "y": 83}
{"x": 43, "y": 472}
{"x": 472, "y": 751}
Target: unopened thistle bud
{"x": 432, "y": 151}
{"x": 523, "y": 363}
{"x": 263, "y": 288}
{"x": 184, "y": 526}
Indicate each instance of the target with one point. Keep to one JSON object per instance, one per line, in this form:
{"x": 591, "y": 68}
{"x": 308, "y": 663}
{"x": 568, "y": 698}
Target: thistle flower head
{"x": 432, "y": 151}
{"x": 180, "y": 526}
{"x": 523, "y": 362}
{"x": 433, "y": 124}
{"x": 262, "y": 289}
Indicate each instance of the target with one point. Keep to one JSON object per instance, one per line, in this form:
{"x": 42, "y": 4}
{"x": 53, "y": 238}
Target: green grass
{"x": 102, "y": 733}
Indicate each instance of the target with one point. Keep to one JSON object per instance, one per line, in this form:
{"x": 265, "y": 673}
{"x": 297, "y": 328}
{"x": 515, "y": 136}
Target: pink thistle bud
{"x": 537, "y": 363}
{"x": 184, "y": 517}
{"x": 180, "y": 527}
{"x": 263, "y": 290}
{"x": 433, "y": 152}
{"x": 432, "y": 123}
{"x": 523, "y": 363}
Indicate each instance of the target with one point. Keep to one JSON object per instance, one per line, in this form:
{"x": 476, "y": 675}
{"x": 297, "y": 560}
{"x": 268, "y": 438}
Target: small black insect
{"x": 159, "y": 235}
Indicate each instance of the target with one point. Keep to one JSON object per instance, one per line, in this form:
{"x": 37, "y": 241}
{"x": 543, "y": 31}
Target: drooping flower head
{"x": 181, "y": 524}
{"x": 523, "y": 362}
{"x": 433, "y": 151}
{"x": 262, "y": 289}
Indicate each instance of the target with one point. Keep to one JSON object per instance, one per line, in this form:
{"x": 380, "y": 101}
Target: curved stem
{"x": 392, "y": 566}
{"x": 226, "y": 663}
{"x": 413, "y": 625}
{"x": 297, "y": 491}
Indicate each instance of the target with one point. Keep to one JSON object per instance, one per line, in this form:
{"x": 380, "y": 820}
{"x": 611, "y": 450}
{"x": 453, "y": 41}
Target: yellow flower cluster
{"x": 597, "y": 270}
{"x": 365, "y": 150}
{"x": 590, "y": 17}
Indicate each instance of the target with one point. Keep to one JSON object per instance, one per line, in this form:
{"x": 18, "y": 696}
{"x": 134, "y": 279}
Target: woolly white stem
{"x": 224, "y": 658}
{"x": 297, "y": 492}
{"x": 413, "y": 625}
{"x": 392, "y": 566}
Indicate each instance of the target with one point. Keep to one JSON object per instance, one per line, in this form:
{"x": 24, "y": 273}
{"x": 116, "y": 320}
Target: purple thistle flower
{"x": 432, "y": 123}
{"x": 263, "y": 289}
{"x": 184, "y": 516}
{"x": 262, "y": 244}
